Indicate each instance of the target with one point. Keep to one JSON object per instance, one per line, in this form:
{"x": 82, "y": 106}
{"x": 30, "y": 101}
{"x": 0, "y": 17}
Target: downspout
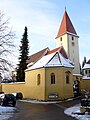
{"x": 44, "y": 84}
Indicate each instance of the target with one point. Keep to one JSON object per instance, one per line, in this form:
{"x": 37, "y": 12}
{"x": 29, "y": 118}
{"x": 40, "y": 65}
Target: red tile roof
{"x": 66, "y": 26}
{"x": 61, "y": 50}
{"x": 54, "y": 50}
{"x": 35, "y": 57}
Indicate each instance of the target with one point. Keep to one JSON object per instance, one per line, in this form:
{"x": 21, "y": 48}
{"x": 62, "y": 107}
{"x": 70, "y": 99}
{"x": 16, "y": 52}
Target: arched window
{"x": 52, "y": 78}
{"x": 68, "y": 77}
{"x": 38, "y": 79}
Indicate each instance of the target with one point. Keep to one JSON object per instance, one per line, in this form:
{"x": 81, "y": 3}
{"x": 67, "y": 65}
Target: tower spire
{"x": 68, "y": 38}
{"x": 66, "y": 26}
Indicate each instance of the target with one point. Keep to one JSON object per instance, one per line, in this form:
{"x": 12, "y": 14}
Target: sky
{"x": 43, "y": 18}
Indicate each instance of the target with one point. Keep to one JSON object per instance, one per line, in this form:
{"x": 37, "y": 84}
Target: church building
{"x": 49, "y": 75}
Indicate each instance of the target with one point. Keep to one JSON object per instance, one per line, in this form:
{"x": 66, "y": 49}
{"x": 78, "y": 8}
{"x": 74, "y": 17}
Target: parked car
{"x": 7, "y": 99}
{"x": 1, "y": 93}
{"x": 18, "y": 95}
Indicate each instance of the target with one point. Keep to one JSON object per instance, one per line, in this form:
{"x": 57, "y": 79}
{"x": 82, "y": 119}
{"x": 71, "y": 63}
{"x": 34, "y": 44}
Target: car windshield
{"x": 9, "y": 95}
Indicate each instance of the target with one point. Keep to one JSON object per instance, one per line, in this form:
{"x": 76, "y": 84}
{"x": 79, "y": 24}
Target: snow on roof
{"x": 54, "y": 61}
{"x": 86, "y": 78}
{"x": 36, "y": 56}
{"x": 77, "y": 75}
{"x": 30, "y": 64}
{"x": 65, "y": 62}
{"x": 51, "y": 60}
{"x": 86, "y": 66}
{"x": 42, "y": 62}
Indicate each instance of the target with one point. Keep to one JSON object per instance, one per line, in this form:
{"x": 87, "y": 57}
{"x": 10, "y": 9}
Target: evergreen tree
{"x": 83, "y": 63}
{"x": 80, "y": 69}
{"x": 24, "y": 50}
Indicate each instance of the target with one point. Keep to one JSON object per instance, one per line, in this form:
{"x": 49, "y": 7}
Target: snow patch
{"x": 40, "y": 102}
{"x": 76, "y": 109}
{"x": 6, "y": 112}
{"x": 45, "y": 102}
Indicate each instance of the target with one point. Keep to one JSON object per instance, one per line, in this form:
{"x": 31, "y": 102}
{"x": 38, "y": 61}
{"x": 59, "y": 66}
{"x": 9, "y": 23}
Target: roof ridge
{"x": 39, "y": 51}
{"x": 36, "y": 56}
{"x": 61, "y": 50}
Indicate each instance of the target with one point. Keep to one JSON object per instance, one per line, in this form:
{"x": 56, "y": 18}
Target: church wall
{"x": 85, "y": 84}
{"x": 60, "y": 87}
{"x": 68, "y": 88}
{"x": 14, "y": 87}
{"x": 36, "y": 89}
{"x": 30, "y": 88}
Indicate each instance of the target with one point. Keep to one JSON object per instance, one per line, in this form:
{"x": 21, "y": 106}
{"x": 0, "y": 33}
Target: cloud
{"x": 32, "y": 14}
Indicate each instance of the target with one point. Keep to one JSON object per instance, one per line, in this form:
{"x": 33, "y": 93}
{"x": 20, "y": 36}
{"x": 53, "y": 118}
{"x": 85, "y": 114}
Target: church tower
{"x": 68, "y": 38}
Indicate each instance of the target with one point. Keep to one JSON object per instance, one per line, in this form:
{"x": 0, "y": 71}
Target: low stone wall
{"x": 85, "y": 85}
{"x": 27, "y": 90}
{"x": 14, "y": 87}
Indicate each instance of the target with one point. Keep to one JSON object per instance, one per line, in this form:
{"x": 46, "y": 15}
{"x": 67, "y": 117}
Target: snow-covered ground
{"x": 76, "y": 109}
{"x": 39, "y": 102}
{"x": 6, "y": 112}
{"x": 43, "y": 102}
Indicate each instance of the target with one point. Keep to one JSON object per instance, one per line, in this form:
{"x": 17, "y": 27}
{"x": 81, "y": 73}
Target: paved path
{"x": 28, "y": 111}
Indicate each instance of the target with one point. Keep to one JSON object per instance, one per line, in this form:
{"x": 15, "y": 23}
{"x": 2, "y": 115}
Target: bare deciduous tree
{"x": 6, "y": 43}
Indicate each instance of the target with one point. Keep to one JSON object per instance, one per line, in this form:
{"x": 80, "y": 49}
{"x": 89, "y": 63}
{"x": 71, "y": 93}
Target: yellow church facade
{"x": 40, "y": 84}
{"x": 44, "y": 82}
{"x": 43, "y": 86}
